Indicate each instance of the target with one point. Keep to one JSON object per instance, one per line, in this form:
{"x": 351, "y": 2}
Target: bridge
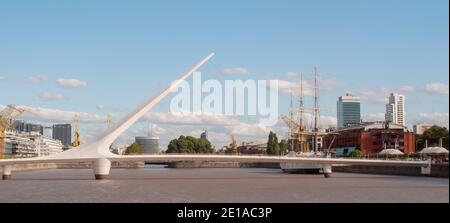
{"x": 99, "y": 154}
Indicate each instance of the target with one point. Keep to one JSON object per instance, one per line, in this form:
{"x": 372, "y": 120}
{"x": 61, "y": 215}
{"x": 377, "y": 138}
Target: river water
{"x": 157, "y": 184}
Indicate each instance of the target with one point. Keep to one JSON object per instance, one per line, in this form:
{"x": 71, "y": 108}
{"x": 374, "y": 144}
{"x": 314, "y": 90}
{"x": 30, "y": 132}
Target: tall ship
{"x": 304, "y": 140}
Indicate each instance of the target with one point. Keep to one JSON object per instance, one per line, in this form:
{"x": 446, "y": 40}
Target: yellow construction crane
{"x": 76, "y": 142}
{"x": 8, "y": 117}
{"x": 234, "y": 149}
{"x": 108, "y": 121}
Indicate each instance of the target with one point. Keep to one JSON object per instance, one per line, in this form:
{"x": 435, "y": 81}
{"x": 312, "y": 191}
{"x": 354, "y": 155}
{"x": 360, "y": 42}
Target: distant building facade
{"x": 348, "y": 110}
{"x": 420, "y": 128}
{"x": 251, "y": 148}
{"x": 395, "y": 109}
{"x": 22, "y": 126}
{"x": 46, "y": 147}
{"x": 371, "y": 138}
{"x": 34, "y": 128}
{"x": 149, "y": 144}
{"x": 63, "y": 132}
{"x": 204, "y": 135}
{"x": 30, "y": 144}
{"x": 19, "y": 145}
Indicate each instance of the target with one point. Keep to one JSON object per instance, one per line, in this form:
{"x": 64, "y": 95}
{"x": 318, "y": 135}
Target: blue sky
{"x": 125, "y": 51}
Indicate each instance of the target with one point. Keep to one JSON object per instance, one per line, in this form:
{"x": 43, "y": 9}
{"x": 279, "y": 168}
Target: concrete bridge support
{"x": 6, "y": 175}
{"x": 327, "y": 170}
{"x": 101, "y": 168}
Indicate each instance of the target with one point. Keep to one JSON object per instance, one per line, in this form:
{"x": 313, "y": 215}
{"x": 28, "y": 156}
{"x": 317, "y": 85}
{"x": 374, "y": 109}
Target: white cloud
{"x": 308, "y": 87}
{"x": 379, "y": 96}
{"x": 371, "y": 117}
{"x": 71, "y": 83}
{"x": 2, "y": 78}
{"x": 246, "y": 129}
{"x": 235, "y": 70}
{"x": 328, "y": 121}
{"x": 56, "y": 115}
{"x": 437, "y": 88}
{"x": 287, "y": 87}
{"x": 327, "y": 84}
{"x": 325, "y": 121}
{"x": 434, "y": 118}
{"x": 406, "y": 88}
{"x": 189, "y": 118}
{"x": 292, "y": 74}
{"x": 47, "y": 96}
{"x": 37, "y": 79}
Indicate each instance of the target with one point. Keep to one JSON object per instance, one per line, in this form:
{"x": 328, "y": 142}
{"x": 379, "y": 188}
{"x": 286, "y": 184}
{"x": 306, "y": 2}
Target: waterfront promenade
{"x": 157, "y": 184}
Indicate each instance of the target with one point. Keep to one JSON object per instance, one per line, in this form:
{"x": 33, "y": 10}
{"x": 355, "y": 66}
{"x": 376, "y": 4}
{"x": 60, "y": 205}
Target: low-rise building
{"x": 420, "y": 128}
{"x": 252, "y": 148}
{"x": 45, "y": 147}
{"x": 31, "y": 144}
{"x": 371, "y": 138}
{"x": 19, "y": 145}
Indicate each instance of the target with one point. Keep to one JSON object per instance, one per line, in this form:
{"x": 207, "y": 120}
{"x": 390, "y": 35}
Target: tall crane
{"x": 8, "y": 117}
{"x": 76, "y": 142}
{"x": 234, "y": 150}
{"x": 108, "y": 121}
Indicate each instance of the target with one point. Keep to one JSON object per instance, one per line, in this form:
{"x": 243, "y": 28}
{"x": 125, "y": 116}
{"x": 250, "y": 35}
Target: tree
{"x": 172, "y": 147}
{"x": 189, "y": 144}
{"x": 284, "y": 147}
{"x": 134, "y": 149}
{"x": 273, "y": 148}
{"x": 432, "y": 136}
{"x": 356, "y": 153}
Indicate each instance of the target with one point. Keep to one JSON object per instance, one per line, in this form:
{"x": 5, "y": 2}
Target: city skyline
{"x": 62, "y": 65}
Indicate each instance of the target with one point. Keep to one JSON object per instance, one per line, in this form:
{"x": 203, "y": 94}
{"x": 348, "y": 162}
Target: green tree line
{"x": 189, "y": 144}
{"x": 432, "y": 136}
{"x": 274, "y": 147}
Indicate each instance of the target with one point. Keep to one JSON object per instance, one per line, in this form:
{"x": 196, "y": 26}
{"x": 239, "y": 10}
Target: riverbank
{"x": 437, "y": 170}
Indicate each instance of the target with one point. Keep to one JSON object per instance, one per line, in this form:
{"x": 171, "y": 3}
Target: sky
{"x": 96, "y": 58}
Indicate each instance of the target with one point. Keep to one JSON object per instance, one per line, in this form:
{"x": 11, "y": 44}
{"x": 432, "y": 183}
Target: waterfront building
{"x": 420, "y": 128}
{"x": 149, "y": 143}
{"x": 348, "y": 110}
{"x": 371, "y": 138}
{"x": 63, "y": 132}
{"x": 257, "y": 147}
{"x": 45, "y": 146}
{"x": 29, "y": 127}
{"x": 19, "y": 144}
{"x": 30, "y": 144}
{"x": 395, "y": 109}
{"x": 22, "y": 126}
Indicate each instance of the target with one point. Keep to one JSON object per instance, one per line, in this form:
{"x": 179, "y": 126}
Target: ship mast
{"x": 290, "y": 137}
{"x": 315, "y": 110}
{"x": 301, "y": 115}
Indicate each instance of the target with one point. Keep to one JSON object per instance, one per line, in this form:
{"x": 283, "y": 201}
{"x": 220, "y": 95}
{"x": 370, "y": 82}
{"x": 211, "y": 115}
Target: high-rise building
{"x": 204, "y": 135}
{"x": 348, "y": 110}
{"x": 395, "y": 109}
{"x": 22, "y": 126}
{"x": 420, "y": 128}
{"x": 19, "y": 126}
{"x": 29, "y": 127}
{"x": 63, "y": 132}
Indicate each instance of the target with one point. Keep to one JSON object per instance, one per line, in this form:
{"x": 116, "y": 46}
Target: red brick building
{"x": 371, "y": 138}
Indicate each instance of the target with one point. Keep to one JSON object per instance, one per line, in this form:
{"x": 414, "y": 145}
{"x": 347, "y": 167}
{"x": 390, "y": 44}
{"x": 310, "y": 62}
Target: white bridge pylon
{"x": 98, "y": 149}
{"x": 99, "y": 154}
